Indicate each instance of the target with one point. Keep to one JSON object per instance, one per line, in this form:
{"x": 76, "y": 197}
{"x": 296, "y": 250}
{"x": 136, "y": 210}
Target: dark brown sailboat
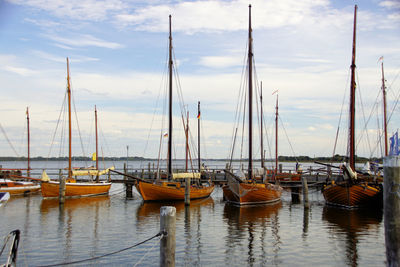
{"x": 247, "y": 191}
{"x": 349, "y": 190}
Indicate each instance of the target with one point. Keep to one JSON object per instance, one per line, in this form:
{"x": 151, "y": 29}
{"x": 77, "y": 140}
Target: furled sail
{"x": 91, "y": 172}
{"x": 193, "y": 175}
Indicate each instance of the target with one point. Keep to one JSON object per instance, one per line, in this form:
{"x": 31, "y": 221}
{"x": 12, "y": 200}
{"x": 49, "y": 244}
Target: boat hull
{"x": 19, "y": 188}
{"x": 252, "y": 194}
{"x": 170, "y": 191}
{"x": 351, "y": 195}
{"x": 52, "y": 189}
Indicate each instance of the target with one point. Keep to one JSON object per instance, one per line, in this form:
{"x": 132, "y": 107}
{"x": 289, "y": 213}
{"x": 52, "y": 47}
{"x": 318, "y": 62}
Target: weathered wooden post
{"x": 128, "y": 186}
{"x": 61, "y": 194}
{"x": 167, "y": 244}
{"x": 391, "y": 209}
{"x": 187, "y": 191}
{"x": 305, "y": 192}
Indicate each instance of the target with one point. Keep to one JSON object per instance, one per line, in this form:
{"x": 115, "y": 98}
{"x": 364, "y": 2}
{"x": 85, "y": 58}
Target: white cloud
{"x": 220, "y": 61}
{"x": 95, "y": 10}
{"x": 83, "y": 40}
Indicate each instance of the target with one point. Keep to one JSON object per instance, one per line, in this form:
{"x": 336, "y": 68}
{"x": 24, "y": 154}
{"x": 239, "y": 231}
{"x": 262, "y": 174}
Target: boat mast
{"x": 69, "y": 123}
{"x": 353, "y": 97}
{"x": 97, "y": 144}
{"x": 170, "y": 66}
{"x": 29, "y": 142}
{"x": 198, "y": 134}
{"x": 250, "y": 57}
{"x": 384, "y": 111}
{"x": 262, "y": 143}
{"x": 276, "y": 136}
{"x": 187, "y": 141}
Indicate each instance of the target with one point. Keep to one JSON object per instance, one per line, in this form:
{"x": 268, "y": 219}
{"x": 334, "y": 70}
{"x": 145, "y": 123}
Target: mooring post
{"x": 61, "y": 194}
{"x": 305, "y": 192}
{"x": 187, "y": 191}
{"x": 167, "y": 244}
{"x": 128, "y": 186}
{"x": 295, "y": 194}
{"x": 280, "y": 168}
{"x": 391, "y": 209}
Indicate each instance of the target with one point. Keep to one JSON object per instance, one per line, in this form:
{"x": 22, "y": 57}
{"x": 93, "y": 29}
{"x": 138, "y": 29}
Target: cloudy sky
{"x": 118, "y": 50}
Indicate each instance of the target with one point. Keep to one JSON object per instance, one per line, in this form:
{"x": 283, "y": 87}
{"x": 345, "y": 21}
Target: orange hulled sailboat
{"x": 51, "y": 188}
{"x": 12, "y": 181}
{"x": 173, "y": 188}
{"x": 243, "y": 189}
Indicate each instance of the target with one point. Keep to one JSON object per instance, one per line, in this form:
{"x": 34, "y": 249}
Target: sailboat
{"x": 276, "y": 175}
{"x": 351, "y": 190}
{"x": 245, "y": 191}
{"x": 19, "y": 187}
{"x": 164, "y": 190}
{"x": 51, "y": 188}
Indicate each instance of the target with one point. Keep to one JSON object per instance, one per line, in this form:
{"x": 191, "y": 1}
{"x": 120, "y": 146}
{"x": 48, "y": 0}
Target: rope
{"x": 8, "y": 140}
{"x": 162, "y": 234}
{"x": 141, "y": 259}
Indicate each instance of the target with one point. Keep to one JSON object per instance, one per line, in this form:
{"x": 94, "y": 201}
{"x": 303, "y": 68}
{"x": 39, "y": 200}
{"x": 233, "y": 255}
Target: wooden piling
{"x": 167, "y": 244}
{"x": 391, "y": 209}
{"x": 305, "y": 192}
{"x": 187, "y": 191}
{"x": 128, "y": 186}
{"x": 295, "y": 192}
{"x": 61, "y": 194}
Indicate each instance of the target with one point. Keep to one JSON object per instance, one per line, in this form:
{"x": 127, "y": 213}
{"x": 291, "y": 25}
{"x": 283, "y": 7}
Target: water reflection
{"x": 190, "y": 216}
{"x": 253, "y": 224}
{"x": 149, "y": 210}
{"x": 77, "y": 221}
{"x": 351, "y": 225}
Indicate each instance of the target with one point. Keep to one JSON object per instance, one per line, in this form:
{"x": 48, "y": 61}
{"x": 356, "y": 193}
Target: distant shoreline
{"x": 336, "y": 158}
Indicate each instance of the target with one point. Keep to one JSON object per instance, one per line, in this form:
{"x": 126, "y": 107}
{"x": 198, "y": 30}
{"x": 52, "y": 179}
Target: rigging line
{"x": 89, "y": 139}
{"x": 237, "y": 110}
{"x": 375, "y": 107}
{"x": 79, "y": 130}
{"x": 243, "y": 123}
{"x": 55, "y": 132}
{"x": 340, "y": 117}
{"x": 8, "y": 140}
{"x": 160, "y": 90}
{"x": 287, "y": 137}
{"x": 162, "y": 234}
{"x": 363, "y": 112}
{"x": 148, "y": 251}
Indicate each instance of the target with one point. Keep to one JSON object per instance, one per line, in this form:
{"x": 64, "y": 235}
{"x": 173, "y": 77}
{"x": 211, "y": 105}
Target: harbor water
{"x": 208, "y": 233}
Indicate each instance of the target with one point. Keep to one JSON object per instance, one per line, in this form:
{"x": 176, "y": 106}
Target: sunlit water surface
{"x": 208, "y": 233}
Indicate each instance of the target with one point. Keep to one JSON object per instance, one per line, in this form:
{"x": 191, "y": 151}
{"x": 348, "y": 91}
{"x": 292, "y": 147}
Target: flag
{"x": 166, "y": 135}
{"x": 198, "y": 115}
{"x": 381, "y": 58}
{"x": 94, "y": 156}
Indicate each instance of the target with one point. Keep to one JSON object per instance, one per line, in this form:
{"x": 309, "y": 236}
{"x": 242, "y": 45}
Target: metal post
{"x": 391, "y": 209}
{"x": 167, "y": 245}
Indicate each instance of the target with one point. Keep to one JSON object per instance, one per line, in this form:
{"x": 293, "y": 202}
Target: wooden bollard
{"x": 305, "y": 192}
{"x": 391, "y": 209}
{"x": 167, "y": 244}
{"x": 61, "y": 194}
{"x": 128, "y": 187}
{"x": 187, "y": 191}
